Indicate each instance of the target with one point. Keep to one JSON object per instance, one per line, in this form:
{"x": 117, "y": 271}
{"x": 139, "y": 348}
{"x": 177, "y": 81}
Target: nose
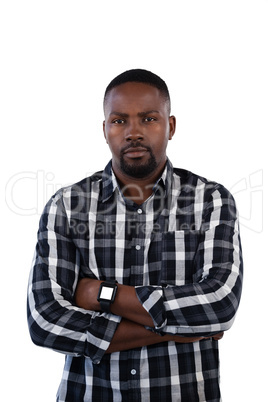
{"x": 134, "y": 132}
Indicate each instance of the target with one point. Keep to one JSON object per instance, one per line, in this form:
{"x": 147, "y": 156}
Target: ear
{"x": 104, "y": 131}
{"x": 172, "y": 126}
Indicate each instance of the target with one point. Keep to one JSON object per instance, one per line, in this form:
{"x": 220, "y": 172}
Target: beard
{"x": 137, "y": 169}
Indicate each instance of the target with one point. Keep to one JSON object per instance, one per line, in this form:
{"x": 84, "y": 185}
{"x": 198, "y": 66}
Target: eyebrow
{"x": 140, "y": 114}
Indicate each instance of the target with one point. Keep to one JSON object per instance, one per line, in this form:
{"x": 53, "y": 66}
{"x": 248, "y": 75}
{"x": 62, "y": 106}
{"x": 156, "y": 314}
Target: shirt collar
{"x": 110, "y": 184}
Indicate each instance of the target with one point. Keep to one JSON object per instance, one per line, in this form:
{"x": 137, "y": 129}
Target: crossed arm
{"x": 131, "y": 332}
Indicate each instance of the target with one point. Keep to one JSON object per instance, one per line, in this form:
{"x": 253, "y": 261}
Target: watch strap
{"x": 105, "y": 306}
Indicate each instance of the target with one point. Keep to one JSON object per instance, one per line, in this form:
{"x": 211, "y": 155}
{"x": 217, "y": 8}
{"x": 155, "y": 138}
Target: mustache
{"x": 135, "y": 145}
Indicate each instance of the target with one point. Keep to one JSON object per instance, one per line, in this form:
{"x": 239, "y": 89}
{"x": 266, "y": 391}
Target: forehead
{"x": 134, "y": 95}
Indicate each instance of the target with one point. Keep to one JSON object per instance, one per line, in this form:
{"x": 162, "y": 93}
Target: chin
{"x": 137, "y": 169}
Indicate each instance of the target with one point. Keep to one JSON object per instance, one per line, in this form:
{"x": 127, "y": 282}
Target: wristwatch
{"x": 106, "y": 295}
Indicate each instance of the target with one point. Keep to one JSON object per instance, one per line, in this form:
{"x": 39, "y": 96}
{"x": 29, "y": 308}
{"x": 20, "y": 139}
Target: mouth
{"x": 135, "y": 152}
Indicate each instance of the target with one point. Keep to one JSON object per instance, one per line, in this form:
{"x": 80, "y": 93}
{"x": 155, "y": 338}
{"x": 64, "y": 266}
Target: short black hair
{"x": 141, "y": 76}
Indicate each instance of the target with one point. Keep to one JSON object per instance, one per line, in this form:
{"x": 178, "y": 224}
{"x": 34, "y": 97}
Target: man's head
{"x": 137, "y": 124}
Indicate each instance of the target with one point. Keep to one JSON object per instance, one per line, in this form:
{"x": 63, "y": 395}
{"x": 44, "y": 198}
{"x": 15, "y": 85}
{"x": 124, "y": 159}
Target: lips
{"x": 135, "y": 152}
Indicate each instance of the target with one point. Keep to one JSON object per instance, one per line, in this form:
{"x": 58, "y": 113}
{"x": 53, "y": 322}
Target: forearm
{"x": 130, "y": 335}
{"x": 59, "y": 325}
{"x": 126, "y": 303}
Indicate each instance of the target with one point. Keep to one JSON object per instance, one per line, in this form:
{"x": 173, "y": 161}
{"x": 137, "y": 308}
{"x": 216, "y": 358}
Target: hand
{"x": 86, "y": 294}
{"x": 190, "y": 339}
{"x": 216, "y": 337}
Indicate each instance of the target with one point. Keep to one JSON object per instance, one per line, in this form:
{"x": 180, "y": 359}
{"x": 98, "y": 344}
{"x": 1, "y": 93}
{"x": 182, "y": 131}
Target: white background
{"x": 56, "y": 59}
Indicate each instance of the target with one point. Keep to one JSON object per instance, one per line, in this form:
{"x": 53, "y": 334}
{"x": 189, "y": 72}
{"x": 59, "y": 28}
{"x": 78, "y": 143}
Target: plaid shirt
{"x": 181, "y": 251}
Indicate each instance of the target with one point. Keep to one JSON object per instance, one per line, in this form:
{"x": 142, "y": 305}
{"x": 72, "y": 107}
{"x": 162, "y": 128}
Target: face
{"x": 137, "y": 128}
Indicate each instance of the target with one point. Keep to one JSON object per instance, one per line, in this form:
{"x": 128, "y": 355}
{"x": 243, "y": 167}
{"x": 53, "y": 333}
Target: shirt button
{"x": 133, "y": 371}
{"x": 138, "y": 247}
{"x": 139, "y": 211}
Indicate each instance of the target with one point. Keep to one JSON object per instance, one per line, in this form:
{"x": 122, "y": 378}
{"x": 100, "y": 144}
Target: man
{"x": 138, "y": 269}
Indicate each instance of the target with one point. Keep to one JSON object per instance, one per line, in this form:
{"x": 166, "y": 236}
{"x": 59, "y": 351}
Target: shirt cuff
{"x": 102, "y": 329}
{"x": 151, "y": 298}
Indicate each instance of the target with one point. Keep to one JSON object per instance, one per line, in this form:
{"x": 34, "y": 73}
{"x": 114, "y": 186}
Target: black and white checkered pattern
{"x": 180, "y": 249}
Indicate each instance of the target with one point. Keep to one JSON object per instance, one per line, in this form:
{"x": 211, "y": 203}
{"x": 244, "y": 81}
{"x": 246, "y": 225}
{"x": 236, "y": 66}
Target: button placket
{"x": 136, "y": 233}
{"x": 139, "y": 211}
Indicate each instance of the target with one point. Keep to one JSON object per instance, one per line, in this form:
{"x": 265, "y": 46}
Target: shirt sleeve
{"x": 207, "y": 305}
{"x": 54, "y": 320}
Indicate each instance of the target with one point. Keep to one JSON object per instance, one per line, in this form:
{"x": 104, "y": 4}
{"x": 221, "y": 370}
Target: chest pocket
{"x": 178, "y": 253}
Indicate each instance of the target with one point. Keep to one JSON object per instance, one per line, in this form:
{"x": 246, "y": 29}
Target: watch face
{"x": 106, "y": 293}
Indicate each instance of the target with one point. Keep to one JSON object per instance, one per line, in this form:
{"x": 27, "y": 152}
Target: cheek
{"x": 160, "y": 144}
{"x": 114, "y": 134}
{"x": 113, "y": 143}
{"x": 111, "y": 137}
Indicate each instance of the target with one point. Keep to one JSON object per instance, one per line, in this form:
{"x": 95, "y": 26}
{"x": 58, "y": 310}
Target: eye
{"x": 149, "y": 119}
{"x": 118, "y": 121}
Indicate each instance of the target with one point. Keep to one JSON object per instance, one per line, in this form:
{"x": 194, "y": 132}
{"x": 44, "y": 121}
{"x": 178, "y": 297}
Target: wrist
{"x": 106, "y": 295}
{"x": 86, "y": 294}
